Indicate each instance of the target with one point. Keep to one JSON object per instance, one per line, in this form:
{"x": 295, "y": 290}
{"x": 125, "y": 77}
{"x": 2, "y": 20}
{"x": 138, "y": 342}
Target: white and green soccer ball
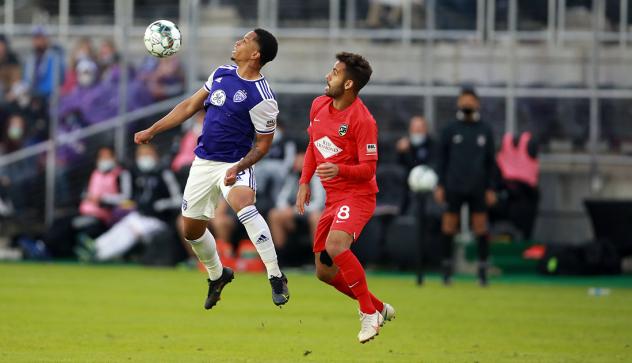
{"x": 422, "y": 179}
{"x": 162, "y": 38}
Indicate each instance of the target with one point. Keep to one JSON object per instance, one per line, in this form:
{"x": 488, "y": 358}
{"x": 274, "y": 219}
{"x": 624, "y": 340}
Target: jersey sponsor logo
{"x": 326, "y": 147}
{"x": 185, "y": 205}
{"x": 371, "y": 148}
{"x": 457, "y": 139}
{"x": 240, "y": 96}
{"x": 481, "y": 140}
{"x": 218, "y": 97}
{"x": 218, "y": 80}
{"x": 270, "y": 123}
{"x": 342, "y": 131}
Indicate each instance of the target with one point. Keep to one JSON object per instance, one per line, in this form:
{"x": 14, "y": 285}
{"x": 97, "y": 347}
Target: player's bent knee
{"x": 193, "y": 229}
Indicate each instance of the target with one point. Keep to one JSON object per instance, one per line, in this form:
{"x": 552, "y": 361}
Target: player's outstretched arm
{"x": 258, "y": 151}
{"x": 182, "y": 112}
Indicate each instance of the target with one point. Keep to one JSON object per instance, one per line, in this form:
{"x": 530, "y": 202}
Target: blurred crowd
{"x": 130, "y": 209}
{"x": 88, "y": 77}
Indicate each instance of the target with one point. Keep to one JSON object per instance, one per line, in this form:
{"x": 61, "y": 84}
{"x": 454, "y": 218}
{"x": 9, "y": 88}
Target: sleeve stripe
{"x": 265, "y": 132}
{"x": 266, "y": 86}
{"x": 264, "y": 94}
{"x": 206, "y": 87}
{"x": 260, "y": 91}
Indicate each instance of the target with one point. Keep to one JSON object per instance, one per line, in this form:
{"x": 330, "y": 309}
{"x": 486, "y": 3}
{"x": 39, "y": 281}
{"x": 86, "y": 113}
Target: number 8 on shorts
{"x": 343, "y": 212}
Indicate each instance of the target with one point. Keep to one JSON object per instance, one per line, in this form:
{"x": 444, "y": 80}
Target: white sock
{"x": 260, "y": 236}
{"x": 206, "y": 250}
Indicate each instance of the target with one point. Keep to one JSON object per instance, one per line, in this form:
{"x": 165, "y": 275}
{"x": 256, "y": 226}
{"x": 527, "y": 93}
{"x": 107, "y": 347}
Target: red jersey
{"x": 346, "y": 137}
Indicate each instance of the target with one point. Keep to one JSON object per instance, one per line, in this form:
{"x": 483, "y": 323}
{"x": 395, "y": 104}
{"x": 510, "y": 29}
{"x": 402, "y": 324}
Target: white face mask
{"x": 146, "y": 163}
{"x": 15, "y": 132}
{"x": 105, "y": 165}
{"x": 85, "y": 79}
{"x": 417, "y": 139}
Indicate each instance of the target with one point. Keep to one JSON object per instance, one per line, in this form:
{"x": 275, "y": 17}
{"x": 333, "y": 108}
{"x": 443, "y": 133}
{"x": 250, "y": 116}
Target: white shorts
{"x": 206, "y": 182}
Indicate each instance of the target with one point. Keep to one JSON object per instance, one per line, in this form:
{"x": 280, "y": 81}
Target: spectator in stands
{"x": 14, "y": 134}
{"x": 19, "y": 174}
{"x": 274, "y": 168}
{"x": 108, "y": 187}
{"x": 384, "y": 13}
{"x": 9, "y": 69}
{"x": 418, "y": 147}
{"x": 283, "y": 218}
{"x": 466, "y": 175}
{"x": 83, "y": 50}
{"x": 89, "y": 102}
{"x": 156, "y": 80}
{"x": 520, "y": 169}
{"x": 39, "y": 69}
{"x": 108, "y": 60}
{"x": 156, "y": 197}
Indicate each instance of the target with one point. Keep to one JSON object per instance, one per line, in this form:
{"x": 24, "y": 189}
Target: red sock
{"x": 339, "y": 283}
{"x": 354, "y": 277}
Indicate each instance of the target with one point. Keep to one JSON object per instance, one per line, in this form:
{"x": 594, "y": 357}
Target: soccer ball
{"x": 162, "y": 38}
{"x": 422, "y": 179}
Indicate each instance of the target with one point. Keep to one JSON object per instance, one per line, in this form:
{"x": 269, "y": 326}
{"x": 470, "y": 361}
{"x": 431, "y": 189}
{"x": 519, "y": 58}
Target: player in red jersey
{"x": 342, "y": 151}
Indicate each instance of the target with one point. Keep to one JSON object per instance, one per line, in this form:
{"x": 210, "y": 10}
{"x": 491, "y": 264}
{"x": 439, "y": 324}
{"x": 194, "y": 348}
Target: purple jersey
{"x": 236, "y": 108}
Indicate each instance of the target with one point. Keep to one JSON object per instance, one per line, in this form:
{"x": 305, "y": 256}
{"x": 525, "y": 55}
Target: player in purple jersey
{"x": 240, "y": 108}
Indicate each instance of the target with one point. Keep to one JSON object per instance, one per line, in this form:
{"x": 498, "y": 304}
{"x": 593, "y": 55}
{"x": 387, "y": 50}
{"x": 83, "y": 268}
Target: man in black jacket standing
{"x": 465, "y": 169}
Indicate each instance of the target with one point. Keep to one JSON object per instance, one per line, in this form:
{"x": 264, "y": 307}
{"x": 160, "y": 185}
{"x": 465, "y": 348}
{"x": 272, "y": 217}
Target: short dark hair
{"x": 357, "y": 69}
{"x": 268, "y": 46}
{"x": 469, "y": 91}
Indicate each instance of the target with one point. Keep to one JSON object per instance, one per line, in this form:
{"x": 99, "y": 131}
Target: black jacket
{"x": 467, "y": 157}
{"x": 422, "y": 154}
{"x": 156, "y": 193}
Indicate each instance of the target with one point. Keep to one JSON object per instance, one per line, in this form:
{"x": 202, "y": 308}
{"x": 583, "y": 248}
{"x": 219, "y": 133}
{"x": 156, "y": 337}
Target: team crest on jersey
{"x": 240, "y": 96}
{"x": 218, "y": 97}
{"x": 342, "y": 131}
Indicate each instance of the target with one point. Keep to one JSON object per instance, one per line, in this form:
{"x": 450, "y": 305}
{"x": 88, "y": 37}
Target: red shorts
{"x": 348, "y": 215}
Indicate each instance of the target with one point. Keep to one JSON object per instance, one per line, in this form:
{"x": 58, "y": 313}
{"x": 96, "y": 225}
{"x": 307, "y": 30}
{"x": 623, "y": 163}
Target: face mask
{"x": 105, "y": 165}
{"x": 417, "y": 139}
{"x": 145, "y": 163}
{"x": 15, "y": 132}
{"x": 85, "y": 79}
{"x": 468, "y": 114}
{"x": 278, "y": 136}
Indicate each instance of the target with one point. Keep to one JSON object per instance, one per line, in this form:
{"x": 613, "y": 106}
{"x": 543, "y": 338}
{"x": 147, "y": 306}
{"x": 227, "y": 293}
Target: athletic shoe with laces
{"x": 215, "y": 287}
{"x": 280, "y": 292}
{"x": 388, "y": 313}
{"x": 369, "y": 326}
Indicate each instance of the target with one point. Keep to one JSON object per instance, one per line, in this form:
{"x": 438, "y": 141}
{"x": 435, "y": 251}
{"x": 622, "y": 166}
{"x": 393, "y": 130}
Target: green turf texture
{"x": 73, "y": 313}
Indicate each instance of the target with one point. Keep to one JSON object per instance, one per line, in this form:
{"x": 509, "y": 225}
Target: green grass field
{"x": 120, "y": 314}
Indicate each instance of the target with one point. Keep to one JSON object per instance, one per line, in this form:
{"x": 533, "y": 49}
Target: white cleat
{"x": 369, "y": 326}
{"x": 388, "y": 313}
